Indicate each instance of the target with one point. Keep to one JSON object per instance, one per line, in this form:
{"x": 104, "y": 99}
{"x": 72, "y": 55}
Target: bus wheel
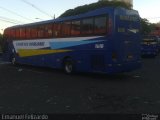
{"x": 68, "y": 66}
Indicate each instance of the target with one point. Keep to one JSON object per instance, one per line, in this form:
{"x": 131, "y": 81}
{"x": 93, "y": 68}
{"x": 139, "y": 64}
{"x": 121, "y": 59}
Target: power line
{"x": 7, "y": 21}
{"x": 35, "y": 7}
{"x": 15, "y": 13}
{"x": 11, "y": 20}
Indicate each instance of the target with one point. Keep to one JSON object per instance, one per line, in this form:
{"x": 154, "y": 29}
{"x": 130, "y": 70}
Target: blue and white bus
{"x": 105, "y": 40}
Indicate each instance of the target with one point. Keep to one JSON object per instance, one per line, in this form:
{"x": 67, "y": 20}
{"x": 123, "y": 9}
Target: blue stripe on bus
{"x": 60, "y": 45}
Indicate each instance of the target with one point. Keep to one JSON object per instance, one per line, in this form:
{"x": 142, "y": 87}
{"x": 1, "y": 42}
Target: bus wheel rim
{"x": 68, "y": 67}
{"x": 13, "y": 60}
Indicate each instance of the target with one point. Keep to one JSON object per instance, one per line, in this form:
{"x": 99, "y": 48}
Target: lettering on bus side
{"x": 128, "y": 18}
{"x": 30, "y": 44}
{"x": 99, "y": 46}
{"x": 21, "y": 44}
{"x": 36, "y": 44}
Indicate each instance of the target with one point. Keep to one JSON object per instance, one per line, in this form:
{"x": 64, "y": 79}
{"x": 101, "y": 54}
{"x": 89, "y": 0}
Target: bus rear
{"x": 126, "y": 53}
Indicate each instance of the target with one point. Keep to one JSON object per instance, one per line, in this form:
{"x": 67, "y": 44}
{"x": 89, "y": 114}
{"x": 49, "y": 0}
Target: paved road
{"x": 26, "y": 89}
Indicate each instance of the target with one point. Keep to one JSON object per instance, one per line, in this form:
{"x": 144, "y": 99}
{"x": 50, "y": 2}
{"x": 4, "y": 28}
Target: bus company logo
{"x": 149, "y": 117}
{"x": 30, "y": 44}
{"x": 99, "y": 46}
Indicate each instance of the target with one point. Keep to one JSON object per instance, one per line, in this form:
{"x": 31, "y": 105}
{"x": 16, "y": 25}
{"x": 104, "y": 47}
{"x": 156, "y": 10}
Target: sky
{"x": 28, "y": 11}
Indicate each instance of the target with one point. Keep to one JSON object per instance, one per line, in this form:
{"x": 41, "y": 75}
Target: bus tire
{"x": 68, "y": 66}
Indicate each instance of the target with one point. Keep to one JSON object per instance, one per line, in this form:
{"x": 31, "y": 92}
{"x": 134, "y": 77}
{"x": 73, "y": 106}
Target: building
{"x": 130, "y": 2}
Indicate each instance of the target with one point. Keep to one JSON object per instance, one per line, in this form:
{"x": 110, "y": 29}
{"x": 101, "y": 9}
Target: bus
{"x": 150, "y": 46}
{"x": 105, "y": 40}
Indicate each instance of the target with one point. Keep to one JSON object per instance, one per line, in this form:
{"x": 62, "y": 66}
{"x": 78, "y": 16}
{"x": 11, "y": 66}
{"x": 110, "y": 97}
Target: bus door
{"x": 127, "y": 38}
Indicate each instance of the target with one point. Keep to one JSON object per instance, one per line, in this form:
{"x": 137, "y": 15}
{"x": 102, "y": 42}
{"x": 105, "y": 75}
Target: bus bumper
{"x": 125, "y": 67}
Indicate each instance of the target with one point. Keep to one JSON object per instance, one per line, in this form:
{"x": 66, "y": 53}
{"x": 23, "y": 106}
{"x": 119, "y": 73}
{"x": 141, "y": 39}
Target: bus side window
{"x": 33, "y": 32}
{"x": 100, "y": 25}
{"x": 76, "y": 28}
{"x": 17, "y": 34}
{"x": 66, "y": 27}
{"x": 22, "y": 33}
{"x": 57, "y": 30}
{"x": 28, "y": 31}
{"x": 87, "y": 26}
{"x": 12, "y": 34}
{"x": 40, "y": 31}
{"x": 48, "y": 31}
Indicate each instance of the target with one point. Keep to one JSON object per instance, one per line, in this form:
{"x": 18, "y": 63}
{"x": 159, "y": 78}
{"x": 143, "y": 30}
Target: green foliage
{"x": 146, "y": 26}
{"x": 93, "y": 6}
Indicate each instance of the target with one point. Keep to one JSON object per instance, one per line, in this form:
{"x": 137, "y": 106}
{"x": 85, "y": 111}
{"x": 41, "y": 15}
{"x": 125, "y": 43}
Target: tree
{"x": 146, "y": 26}
{"x": 93, "y": 6}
